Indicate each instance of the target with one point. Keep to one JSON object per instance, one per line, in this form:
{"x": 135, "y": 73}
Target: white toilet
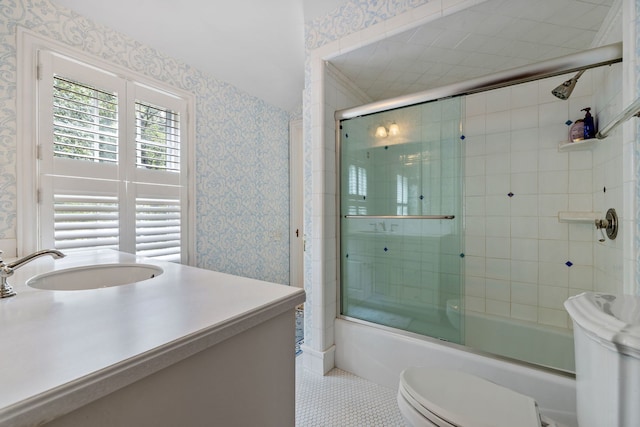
{"x": 607, "y": 348}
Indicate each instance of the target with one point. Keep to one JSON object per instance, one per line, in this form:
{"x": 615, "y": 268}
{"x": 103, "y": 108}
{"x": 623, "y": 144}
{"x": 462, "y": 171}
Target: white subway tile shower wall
{"x": 521, "y": 262}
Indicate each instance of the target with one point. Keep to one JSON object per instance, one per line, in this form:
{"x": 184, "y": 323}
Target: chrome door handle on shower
{"x": 401, "y": 216}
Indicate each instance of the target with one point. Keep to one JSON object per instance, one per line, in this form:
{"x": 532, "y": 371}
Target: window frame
{"x": 29, "y": 47}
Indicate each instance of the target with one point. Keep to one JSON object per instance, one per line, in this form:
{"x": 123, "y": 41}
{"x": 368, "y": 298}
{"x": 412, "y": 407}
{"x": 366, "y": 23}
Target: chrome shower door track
{"x": 591, "y": 58}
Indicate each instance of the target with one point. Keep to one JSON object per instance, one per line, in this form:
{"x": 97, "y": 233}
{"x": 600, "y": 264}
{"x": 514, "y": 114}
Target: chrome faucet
{"x": 6, "y": 270}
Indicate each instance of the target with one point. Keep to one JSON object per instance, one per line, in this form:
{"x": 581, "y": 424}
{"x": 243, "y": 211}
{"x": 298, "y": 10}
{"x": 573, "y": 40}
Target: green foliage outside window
{"x": 86, "y": 127}
{"x": 157, "y": 137}
{"x": 85, "y": 122}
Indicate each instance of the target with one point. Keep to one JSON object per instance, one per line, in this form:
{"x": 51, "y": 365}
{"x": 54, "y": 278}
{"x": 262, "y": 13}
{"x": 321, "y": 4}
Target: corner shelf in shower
{"x": 585, "y": 144}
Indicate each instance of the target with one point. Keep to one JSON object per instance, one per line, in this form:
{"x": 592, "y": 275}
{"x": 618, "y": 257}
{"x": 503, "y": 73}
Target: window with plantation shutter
{"x": 85, "y": 122}
{"x": 158, "y": 210}
{"x": 157, "y": 138}
{"x": 112, "y": 161}
{"x": 357, "y": 190}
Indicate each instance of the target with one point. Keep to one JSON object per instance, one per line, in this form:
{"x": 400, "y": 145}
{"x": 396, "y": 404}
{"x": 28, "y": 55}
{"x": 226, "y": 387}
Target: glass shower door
{"x": 400, "y": 219}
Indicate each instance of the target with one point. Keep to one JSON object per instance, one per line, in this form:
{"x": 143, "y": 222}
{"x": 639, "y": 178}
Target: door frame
{"x": 296, "y": 197}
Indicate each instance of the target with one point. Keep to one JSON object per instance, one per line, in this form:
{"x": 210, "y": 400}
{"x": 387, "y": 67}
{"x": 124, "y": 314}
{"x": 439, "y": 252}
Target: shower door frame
{"x": 592, "y": 58}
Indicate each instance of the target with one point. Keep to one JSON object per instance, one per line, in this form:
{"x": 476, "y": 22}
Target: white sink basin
{"x": 94, "y": 277}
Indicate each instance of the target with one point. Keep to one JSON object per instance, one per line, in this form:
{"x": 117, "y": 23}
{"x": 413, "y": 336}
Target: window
{"x": 113, "y": 158}
{"x": 357, "y": 190}
{"x": 402, "y": 195}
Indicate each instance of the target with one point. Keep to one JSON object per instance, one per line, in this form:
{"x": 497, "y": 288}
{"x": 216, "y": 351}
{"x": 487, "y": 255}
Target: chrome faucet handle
{"x": 609, "y": 225}
{"x": 6, "y": 290}
{"x": 6, "y": 270}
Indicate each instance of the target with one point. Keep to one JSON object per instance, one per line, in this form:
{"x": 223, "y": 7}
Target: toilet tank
{"x": 607, "y": 351}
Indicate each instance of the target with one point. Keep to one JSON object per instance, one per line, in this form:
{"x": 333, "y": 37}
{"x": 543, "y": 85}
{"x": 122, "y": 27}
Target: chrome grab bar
{"x": 400, "y": 216}
{"x": 632, "y": 110}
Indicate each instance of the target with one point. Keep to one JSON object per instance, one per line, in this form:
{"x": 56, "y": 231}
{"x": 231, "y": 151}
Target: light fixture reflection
{"x": 394, "y": 130}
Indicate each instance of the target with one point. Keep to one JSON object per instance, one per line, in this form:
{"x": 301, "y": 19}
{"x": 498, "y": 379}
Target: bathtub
{"x": 379, "y": 354}
{"x": 521, "y": 341}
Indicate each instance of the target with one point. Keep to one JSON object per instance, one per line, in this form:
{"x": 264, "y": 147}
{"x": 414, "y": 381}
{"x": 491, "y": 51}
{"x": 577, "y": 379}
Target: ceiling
{"x": 492, "y": 36}
{"x": 258, "y": 46}
{"x": 255, "y": 45}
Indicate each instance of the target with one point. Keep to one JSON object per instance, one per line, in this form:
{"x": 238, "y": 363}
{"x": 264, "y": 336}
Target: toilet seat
{"x": 455, "y": 399}
{"x": 416, "y": 414}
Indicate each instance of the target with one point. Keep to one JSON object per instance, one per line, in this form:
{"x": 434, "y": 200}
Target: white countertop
{"x": 60, "y": 350}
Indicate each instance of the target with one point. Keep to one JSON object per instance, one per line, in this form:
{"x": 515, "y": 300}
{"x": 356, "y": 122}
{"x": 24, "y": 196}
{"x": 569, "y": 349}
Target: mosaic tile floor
{"x": 341, "y": 399}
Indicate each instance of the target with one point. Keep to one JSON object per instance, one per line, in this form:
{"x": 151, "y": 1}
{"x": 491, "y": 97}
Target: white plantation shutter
{"x": 158, "y": 228}
{"x": 112, "y": 170}
{"x": 79, "y": 212}
{"x": 158, "y": 222}
{"x": 158, "y": 163}
{"x": 85, "y": 221}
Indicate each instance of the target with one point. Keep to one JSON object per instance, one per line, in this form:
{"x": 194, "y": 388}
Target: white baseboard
{"x": 318, "y": 362}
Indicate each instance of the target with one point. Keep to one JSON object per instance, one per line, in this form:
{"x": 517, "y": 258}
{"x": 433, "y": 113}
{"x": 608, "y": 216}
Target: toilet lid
{"x": 466, "y": 400}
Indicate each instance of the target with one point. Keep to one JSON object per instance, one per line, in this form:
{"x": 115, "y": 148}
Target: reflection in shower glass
{"x": 401, "y": 263}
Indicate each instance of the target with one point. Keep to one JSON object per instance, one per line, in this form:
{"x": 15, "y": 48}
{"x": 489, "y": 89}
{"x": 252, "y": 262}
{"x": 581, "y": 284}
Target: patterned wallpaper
{"x": 352, "y": 16}
{"x": 242, "y": 182}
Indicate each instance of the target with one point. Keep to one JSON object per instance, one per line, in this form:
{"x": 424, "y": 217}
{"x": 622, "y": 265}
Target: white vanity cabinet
{"x": 189, "y": 347}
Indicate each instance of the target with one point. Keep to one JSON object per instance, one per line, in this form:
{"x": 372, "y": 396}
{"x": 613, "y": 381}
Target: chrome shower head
{"x": 564, "y": 90}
